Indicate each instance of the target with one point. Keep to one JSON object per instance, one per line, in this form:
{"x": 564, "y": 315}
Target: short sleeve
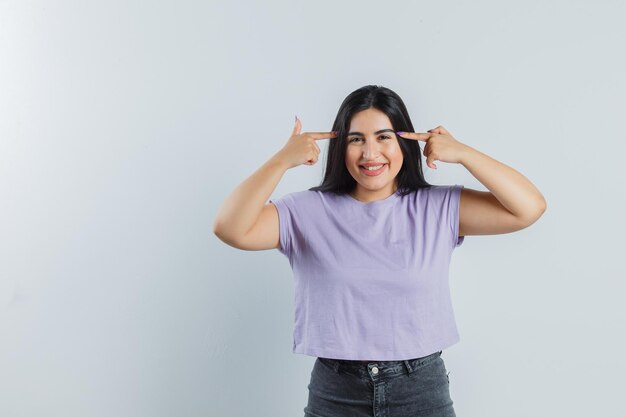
{"x": 453, "y": 199}
{"x": 286, "y": 209}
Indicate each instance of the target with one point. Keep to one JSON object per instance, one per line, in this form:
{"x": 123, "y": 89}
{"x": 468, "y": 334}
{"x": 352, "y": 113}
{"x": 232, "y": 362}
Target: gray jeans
{"x": 344, "y": 388}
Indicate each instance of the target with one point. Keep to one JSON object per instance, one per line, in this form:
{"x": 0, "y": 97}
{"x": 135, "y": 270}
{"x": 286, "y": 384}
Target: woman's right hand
{"x": 301, "y": 147}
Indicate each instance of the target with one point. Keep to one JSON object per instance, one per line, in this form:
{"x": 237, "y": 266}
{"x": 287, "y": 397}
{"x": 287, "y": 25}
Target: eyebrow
{"x": 376, "y": 133}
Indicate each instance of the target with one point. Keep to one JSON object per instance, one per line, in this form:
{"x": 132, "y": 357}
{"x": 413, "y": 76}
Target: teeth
{"x": 374, "y": 168}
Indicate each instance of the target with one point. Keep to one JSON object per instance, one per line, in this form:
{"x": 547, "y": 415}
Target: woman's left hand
{"x": 440, "y": 145}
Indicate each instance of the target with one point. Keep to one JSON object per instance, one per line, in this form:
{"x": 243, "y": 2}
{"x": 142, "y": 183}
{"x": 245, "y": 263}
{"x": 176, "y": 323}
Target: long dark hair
{"x": 337, "y": 178}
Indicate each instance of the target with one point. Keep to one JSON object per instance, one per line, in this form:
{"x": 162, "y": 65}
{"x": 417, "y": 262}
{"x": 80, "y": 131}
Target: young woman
{"x": 370, "y": 249}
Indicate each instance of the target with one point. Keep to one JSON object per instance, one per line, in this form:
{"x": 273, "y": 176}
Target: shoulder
{"x": 439, "y": 192}
{"x": 438, "y": 200}
{"x": 297, "y": 198}
{"x": 443, "y": 189}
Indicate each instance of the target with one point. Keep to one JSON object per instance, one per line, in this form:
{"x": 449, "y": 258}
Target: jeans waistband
{"x": 379, "y": 368}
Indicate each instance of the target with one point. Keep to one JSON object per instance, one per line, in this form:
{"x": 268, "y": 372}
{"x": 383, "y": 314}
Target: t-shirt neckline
{"x": 385, "y": 200}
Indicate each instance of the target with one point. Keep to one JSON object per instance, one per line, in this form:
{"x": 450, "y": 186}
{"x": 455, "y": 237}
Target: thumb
{"x": 297, "y": 128}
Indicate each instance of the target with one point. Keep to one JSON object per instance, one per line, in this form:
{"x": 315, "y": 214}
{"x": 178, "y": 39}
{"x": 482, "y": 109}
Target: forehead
{"x": 369, "y": 121}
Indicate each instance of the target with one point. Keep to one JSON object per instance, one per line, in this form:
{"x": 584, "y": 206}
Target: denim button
{"x": 375, "y": 370}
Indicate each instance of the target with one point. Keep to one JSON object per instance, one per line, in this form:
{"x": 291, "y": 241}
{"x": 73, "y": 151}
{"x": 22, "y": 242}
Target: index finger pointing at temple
{"x": 414, "y": 135}
{"x": 322, "y": 135}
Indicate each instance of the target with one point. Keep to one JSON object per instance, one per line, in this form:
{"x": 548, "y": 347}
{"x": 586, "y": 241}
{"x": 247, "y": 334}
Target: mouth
{"x": 372, "y": 170}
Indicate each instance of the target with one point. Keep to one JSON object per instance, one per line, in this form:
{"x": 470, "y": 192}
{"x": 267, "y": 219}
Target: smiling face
{"x": 371, "y": 140}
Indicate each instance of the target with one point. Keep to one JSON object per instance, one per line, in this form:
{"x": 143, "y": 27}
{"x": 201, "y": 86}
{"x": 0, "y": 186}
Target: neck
{"x": 354, "y": 195}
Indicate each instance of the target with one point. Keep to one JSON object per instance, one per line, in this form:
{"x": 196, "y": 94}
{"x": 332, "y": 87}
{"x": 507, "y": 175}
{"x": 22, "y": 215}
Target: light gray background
{"x": 124, "y": 125}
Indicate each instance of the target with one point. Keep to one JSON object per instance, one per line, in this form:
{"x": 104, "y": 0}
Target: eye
{"x": 355, "y": 138}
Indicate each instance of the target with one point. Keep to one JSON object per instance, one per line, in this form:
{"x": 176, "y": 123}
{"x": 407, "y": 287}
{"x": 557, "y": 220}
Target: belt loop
{"x": 336, "y": 366}
{"x": 408, "y": 366}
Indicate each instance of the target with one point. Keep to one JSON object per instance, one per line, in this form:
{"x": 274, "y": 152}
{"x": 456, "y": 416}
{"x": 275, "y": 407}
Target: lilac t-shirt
{"x": 371, "y": 278}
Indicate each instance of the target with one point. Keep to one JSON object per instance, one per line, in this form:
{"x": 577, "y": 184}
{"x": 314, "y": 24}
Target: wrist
{"x": 278, "y": 162}
{"x": 467, "y": 153}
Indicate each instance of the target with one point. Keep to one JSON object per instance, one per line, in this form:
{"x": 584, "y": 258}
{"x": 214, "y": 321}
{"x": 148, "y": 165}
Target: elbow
{"x": 218, "y": 230}
{"x": 535, "y": 214}
{"x": 223, "y": 237}
{"x": 216, "y": 227}
{"x": 542, "y": 205}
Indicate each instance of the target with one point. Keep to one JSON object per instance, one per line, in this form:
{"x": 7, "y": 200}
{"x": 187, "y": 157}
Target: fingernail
{"x": 400, "y": 133}
{"x": 335, "y": 132}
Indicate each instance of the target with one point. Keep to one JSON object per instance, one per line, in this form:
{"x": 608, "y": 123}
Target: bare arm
{"x": 512, "y": 202}
{"x": 244, "y": 220}
{"x": 241, "y": 209}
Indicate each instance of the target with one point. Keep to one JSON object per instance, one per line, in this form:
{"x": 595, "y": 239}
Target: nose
{"x": 371, "y": 150}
